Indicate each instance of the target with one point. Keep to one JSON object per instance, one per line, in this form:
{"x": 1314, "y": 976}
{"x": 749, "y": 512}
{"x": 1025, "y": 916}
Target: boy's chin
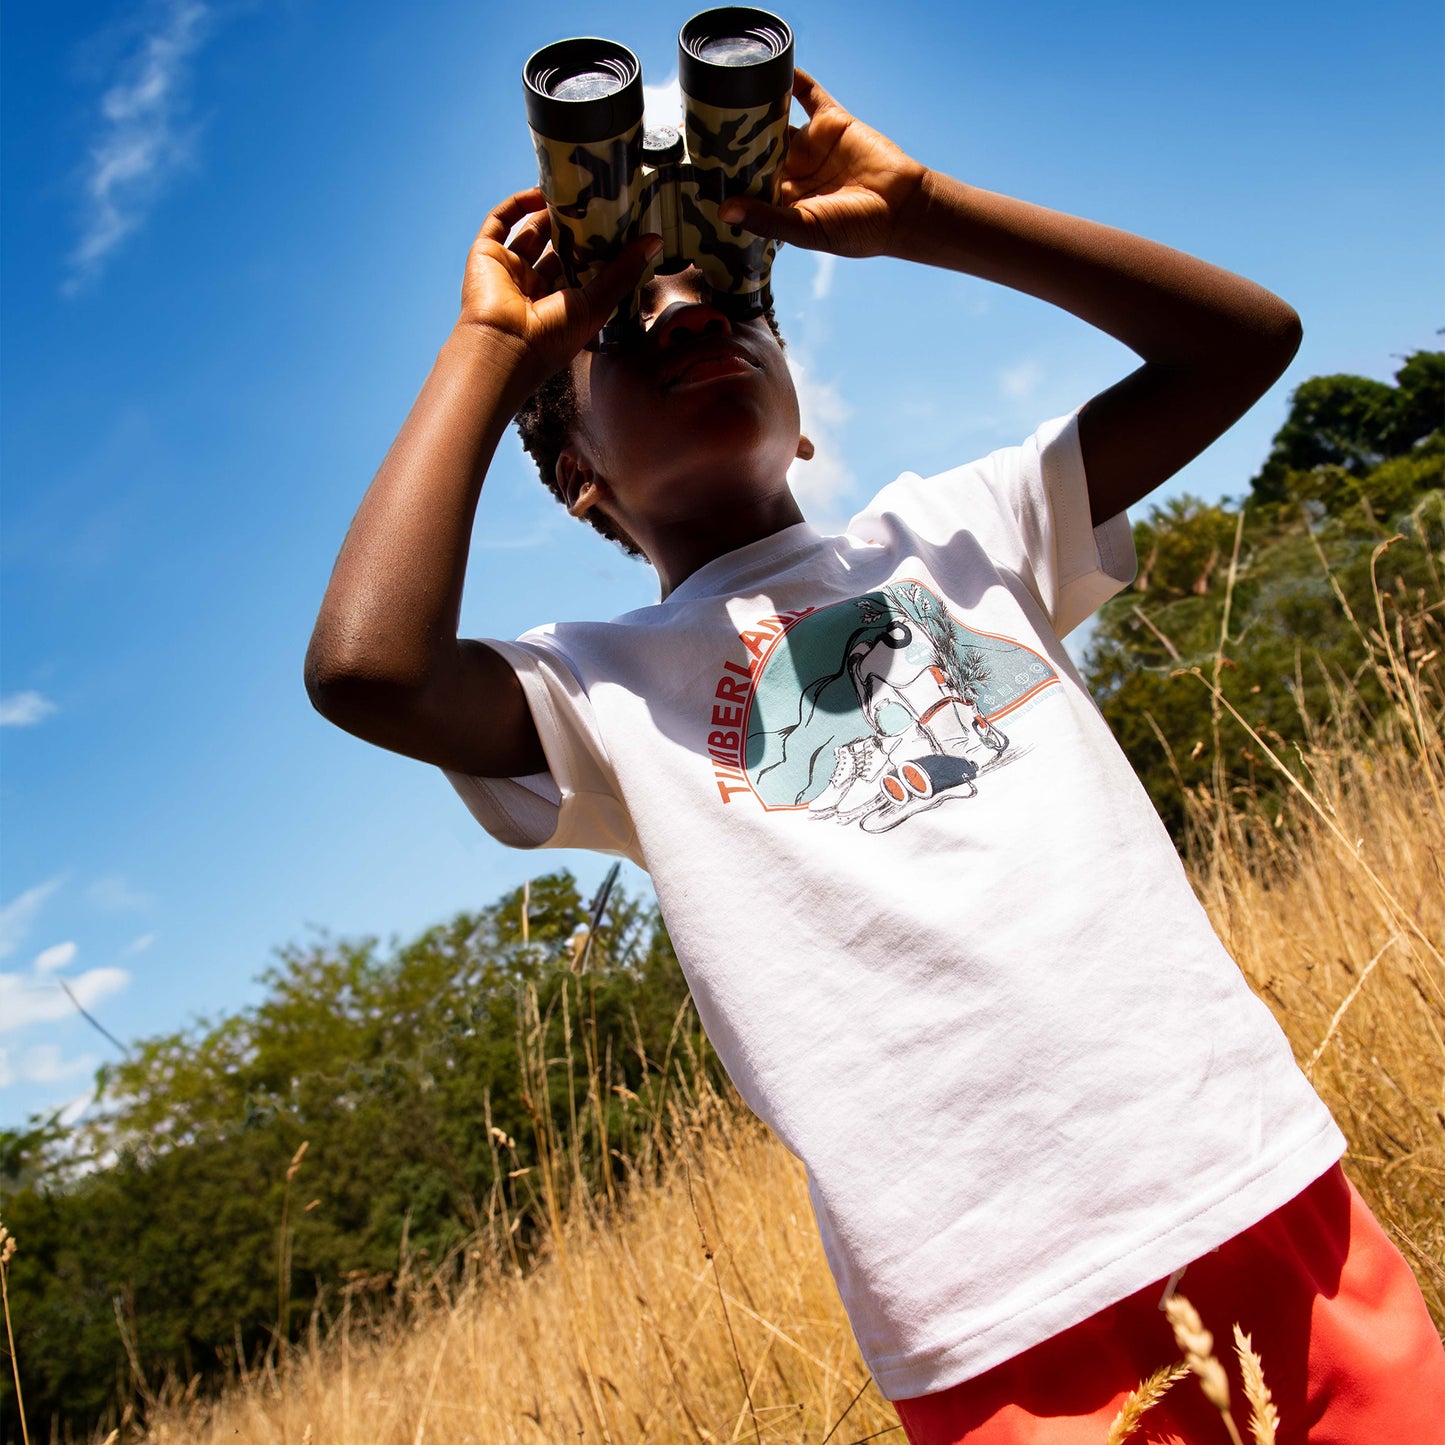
{"x": 734, "y": 421}
{"x": 713, "y": 484}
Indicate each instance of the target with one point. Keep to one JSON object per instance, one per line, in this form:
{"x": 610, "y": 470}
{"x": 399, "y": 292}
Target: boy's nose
{"x": 684, "y": 321}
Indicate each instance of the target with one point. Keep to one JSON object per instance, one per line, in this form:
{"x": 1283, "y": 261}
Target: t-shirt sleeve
{"x": 576, "y": 803}
{"x": 1029, "y": 506}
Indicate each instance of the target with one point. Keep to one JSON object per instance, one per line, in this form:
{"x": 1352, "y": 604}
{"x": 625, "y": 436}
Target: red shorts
{"x": 1350, "y": 1354}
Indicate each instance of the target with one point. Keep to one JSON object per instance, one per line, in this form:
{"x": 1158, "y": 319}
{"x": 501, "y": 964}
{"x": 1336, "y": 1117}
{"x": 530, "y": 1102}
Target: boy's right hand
{"x": 512, "y": 293}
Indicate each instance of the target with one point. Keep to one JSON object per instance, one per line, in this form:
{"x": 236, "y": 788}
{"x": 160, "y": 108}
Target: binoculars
{"x": 607, "y": 179}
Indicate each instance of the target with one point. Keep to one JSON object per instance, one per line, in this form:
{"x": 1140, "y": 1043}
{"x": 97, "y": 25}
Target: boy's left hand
{"x": 845, "y": 186}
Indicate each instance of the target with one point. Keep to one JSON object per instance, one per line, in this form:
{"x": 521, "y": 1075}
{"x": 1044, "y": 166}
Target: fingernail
{"x": 730, "y": 211}
{"x": 652, "y": 246}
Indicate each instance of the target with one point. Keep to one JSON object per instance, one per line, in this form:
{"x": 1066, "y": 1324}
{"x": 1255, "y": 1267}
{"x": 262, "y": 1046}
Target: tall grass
{"x": 1333, "y": 903}
{"x": 694, "y": 1303}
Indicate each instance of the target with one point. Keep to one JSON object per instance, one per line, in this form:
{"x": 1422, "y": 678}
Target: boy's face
{"x": 696, "y": 414}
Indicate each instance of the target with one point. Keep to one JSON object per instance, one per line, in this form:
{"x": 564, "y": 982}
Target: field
{"x": 696, "y": 1306}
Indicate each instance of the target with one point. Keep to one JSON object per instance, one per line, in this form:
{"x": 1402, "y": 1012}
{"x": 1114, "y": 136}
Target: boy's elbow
{"x": 350, "y": 690}
{"x": 1285, "y": 333}
{"x": 329, "y": 687}
{"x": 325, "y": 685}
{"x": 1256, "y": 353}
{"x": 1274, "y": 340}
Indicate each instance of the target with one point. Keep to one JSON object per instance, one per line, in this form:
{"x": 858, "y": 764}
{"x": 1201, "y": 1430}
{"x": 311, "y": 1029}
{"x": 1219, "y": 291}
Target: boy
{"x": 930, "y": 921}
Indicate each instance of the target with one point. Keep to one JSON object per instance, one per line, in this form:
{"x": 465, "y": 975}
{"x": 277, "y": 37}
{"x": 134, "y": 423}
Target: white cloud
{"x": 662, "y": 104}
{"x": 7, "y": 1074}
{"x": 823, "y": 275}
{"x": 24, "y": 709}
{"x": 516, "y": 544}
{"x": 25, "y": 1001}
{"x": 138, "y": 945}
{"x": 54, "y": 958}
{"x": 142, "y": 139}
{"x": 43, "y": 1064}
{"x": 16, "y": 917}
{"x": 115, "y": 892}
{"x": 819, "y": 483}
{"x": 1021, "y": 380}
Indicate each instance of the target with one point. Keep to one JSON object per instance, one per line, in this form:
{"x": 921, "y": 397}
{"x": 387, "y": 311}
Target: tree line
{"x": 381, "y": 1105}
{"x": 1261, "y": 608}
{"x": 376, "y": 1109}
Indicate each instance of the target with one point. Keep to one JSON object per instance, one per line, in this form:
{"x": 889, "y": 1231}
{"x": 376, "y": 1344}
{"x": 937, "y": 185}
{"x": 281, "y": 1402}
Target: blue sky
{"x": 233, "y": 236}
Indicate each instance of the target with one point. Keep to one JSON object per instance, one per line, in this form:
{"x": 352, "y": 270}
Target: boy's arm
{"x": 385, "y": 661}
{"x": 1212, "y": 342}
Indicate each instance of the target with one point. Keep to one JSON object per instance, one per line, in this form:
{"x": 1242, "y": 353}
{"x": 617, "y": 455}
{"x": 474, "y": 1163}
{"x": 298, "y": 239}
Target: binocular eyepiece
{"x": 608, "y": 179}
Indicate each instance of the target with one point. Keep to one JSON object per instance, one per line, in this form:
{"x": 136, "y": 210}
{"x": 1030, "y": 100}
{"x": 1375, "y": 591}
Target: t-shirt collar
{"x": 732, "y": 572}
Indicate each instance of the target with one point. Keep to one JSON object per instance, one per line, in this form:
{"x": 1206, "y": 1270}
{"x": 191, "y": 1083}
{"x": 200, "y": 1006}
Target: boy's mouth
{"x": 706, "y": 360}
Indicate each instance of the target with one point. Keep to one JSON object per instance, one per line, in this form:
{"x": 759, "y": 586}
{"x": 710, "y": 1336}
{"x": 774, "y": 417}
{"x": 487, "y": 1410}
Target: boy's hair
{"x": 545, "y": 422}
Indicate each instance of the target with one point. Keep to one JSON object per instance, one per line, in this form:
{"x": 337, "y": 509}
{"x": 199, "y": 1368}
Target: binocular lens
{"x": 734, "y": 50}
{"x": 590, "y": 85}
{"x": 583, "y": 90}
{"x": 735, "y": 55}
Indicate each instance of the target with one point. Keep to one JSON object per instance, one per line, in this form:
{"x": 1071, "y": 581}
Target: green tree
{"x": 1352, "y": 423}
{"x": 161, "y": 1215}
{"x": 1356, "y": 462}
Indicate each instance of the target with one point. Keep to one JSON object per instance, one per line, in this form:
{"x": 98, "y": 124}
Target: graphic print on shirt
{"x": 870, "y": 711}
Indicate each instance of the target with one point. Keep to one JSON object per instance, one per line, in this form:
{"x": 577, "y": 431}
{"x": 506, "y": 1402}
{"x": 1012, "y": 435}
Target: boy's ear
{"x": 805, "y": 449}
{"x": 579, "y": 485}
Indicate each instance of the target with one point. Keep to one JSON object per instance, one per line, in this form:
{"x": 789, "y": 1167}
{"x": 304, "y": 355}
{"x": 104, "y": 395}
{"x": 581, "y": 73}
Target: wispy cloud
{"x": 516, "y": 544}
{"x": 138, "y": 945}
{"x": 34, "y": 1000}
{"x": 54, "y": 958}
{"x": 143, "y": 136}
{"x": 823, "y": 275}
{"x": 115, "y": 892}
{"x": 24, "y": 709}
{"x": 43, "y": 1064}
{"x": 17, "y": 916}
{"x": 1021, "y": 380}
{"x": 819, "y": 483}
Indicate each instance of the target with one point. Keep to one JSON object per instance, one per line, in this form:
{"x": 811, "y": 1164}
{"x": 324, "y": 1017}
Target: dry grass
{"x": 700, "y": 1307}
{"x": 1141, "y": 1400}
{"x": 1351, "y": 969}
{"x": 1334, "y": 905}
{"x": 706, "y": 1314}
{"x": 8, "y": 1247}
{"x": 1196, "y": 1344}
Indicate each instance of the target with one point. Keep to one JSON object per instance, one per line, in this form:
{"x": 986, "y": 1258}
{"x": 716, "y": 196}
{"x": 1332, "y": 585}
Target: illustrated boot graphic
{"x": 853, "y": 787}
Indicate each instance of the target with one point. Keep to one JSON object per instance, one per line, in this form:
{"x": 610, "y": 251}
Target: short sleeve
{"x": 576, "y": 803}
{"x": 1029, "y": 506}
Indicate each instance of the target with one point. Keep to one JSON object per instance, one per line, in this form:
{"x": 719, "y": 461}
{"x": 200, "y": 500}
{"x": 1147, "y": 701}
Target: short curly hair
{"x": 545, "y": 422}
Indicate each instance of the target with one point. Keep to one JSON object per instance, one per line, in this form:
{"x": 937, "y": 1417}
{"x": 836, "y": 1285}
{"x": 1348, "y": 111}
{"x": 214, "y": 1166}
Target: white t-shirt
{"x": 930, "y": 919}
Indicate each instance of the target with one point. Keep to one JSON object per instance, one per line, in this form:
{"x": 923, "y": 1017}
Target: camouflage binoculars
{"x": 607, "y": 179}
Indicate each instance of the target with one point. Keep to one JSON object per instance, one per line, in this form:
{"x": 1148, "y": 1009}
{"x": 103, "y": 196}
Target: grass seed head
{"x": 1141, "y": 1399}
{"x": 1198, "y": 1346}
{"x": 295, "y": 1166}
{"x": 1263, "y": 1417}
